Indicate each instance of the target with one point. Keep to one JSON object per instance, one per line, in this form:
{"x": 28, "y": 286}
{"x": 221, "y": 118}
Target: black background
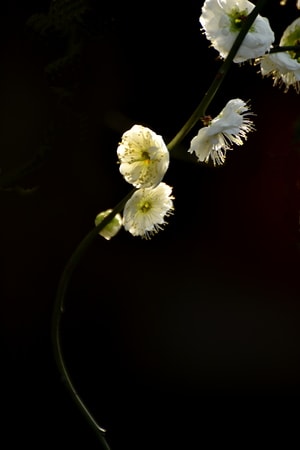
{"x": 186, "y": 340}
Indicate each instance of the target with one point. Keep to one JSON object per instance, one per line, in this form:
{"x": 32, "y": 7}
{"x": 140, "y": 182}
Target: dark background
{"x": 186, "y": 340}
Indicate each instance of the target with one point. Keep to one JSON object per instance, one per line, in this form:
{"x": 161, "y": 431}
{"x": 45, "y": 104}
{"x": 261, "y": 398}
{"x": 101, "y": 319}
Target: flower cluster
{"x": 221, "y": 22}
{"x": 144, "y": 160}
{"x": 143, "y": 155}
{"x": 234, "y": 28}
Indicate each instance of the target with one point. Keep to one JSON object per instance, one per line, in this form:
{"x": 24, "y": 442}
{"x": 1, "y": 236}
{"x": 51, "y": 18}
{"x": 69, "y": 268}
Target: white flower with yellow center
{"x": 112, "y": 228}
{"x": 222, "y": 20}
{"x": 229, "y": 127}
{"x": 284, "y": 67}
{"x": 143, "y": 156}
{"x": 144, "y": 213}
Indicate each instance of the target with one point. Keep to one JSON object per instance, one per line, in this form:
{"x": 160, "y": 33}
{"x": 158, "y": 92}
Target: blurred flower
{"x": 112, "y": 228}
{"x": 229, "y": 127}
{"x": 143, "y": 156}
{"x": 144, "y": 213}
{"x": 283, "y": 3}
{"x": 222, "y": 20}
{"x": 284, "y": 67}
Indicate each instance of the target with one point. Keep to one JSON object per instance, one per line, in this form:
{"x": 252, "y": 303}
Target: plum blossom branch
{"x": 200, "y": 111}
{"x": 143, "y": 195}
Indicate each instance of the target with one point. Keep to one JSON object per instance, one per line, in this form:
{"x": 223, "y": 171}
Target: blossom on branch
{"x": 144, "y": 213}
{"x": 229, "y": 127}
{"x": 112, "y": 228}
{"x": 222, "y": 20}
{"x": 284, "y": 67}
{"x": 143, "y": 156}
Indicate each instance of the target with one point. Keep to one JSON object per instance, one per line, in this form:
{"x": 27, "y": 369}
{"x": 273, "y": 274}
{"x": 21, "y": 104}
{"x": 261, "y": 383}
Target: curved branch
{"x": 58, "y": 312}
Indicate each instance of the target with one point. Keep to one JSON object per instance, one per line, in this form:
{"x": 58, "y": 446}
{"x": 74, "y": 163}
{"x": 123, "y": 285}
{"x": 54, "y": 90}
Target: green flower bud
{"x": 112, "y": 228}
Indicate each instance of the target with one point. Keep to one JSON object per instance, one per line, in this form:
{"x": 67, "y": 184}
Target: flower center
{"x": 145, "y": 206}
{"x": 145, "y": 157}
{"x": 237, "y": 19}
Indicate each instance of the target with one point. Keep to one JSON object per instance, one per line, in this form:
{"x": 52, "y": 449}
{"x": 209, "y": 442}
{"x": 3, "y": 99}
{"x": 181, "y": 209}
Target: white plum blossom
{"x": 222, "y": 21}
{"x": 144, "y": 213}
{"x": 112, "y": 228}
{"x": 143, "y": 156}
{"x": 284, "y": 67}
{"x": 229, "y": 127}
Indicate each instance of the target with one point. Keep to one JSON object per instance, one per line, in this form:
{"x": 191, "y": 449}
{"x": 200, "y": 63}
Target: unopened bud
{"x": 112, "y": 228}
